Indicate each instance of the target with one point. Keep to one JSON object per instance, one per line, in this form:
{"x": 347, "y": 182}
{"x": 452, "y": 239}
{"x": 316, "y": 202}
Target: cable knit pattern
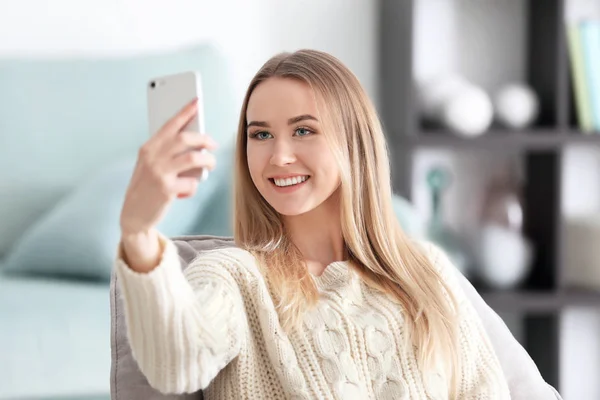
{"x": 215, "y": 327}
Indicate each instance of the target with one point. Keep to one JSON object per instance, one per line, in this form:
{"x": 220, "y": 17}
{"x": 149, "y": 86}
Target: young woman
{"x": 324, "y": 296}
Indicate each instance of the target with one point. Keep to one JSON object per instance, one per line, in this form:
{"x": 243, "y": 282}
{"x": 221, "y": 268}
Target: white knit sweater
{"x": 214, "y": 327}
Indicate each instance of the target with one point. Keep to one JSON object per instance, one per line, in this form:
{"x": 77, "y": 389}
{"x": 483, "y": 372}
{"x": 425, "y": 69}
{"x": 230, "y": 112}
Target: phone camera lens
{"x": 152, "y": 84}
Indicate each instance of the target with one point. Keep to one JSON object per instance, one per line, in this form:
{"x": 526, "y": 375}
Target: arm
{"x": 183, "y": 327}
{"x": 482, "y": 376}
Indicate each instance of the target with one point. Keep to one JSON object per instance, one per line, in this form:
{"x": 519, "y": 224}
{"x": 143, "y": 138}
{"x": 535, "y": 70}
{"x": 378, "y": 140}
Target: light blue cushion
{"x": 411, "y": 221}
{"x": 79, "y": 236}
{"x": 61, "y": 119}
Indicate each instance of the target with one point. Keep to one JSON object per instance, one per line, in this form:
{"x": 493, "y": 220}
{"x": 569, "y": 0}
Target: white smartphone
{"x": 167, "y": 95}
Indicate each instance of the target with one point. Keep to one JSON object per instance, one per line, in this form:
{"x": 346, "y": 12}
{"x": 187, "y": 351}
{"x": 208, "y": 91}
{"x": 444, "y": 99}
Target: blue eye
{"x": 303, "y": 132}
{"x": 262, "y": 135}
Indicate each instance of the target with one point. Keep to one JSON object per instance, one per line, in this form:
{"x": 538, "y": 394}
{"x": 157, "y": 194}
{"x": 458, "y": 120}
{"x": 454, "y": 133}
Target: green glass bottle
{"x": 438, "y": 180}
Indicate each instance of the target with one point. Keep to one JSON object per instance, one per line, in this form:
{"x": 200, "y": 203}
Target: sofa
{"x": 128, "y": 383}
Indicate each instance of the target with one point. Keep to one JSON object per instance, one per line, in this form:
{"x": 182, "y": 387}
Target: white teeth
{"x": 290, "y": 181}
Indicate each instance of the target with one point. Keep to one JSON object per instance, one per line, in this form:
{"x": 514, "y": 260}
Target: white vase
{"x": 457, "y": 104}
{"x": 504, "y": 257}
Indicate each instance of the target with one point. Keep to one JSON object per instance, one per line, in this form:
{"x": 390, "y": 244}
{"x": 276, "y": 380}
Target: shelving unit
{"x": 504, "y": 140}
{"x": 545, "y": 294}
{"x": 536, "y": 302}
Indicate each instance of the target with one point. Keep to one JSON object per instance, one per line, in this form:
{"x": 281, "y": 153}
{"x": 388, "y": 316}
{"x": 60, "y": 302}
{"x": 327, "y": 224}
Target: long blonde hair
{"x": 377, "y": 247}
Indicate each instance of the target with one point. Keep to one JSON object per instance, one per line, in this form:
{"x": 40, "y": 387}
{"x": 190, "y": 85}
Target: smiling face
{"x": 289, "y": 159}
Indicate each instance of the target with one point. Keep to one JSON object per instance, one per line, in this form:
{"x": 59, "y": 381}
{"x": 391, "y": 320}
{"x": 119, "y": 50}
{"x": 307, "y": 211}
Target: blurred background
{"x": 491, "y": 108}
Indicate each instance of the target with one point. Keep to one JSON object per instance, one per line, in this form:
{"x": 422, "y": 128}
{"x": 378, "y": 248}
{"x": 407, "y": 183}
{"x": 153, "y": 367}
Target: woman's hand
{"x": 169, "y": 166}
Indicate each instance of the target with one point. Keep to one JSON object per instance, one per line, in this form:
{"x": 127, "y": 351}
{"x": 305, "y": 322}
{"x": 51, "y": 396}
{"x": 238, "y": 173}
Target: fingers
{"x": 185, "y": 187}
{"x": 192, "y": 160}
{"x": 180, "y": 120}
{"x": 186, "y": 141}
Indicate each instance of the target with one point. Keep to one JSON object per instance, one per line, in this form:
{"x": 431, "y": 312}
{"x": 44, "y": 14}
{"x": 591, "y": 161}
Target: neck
{"x": 318, "y": 235}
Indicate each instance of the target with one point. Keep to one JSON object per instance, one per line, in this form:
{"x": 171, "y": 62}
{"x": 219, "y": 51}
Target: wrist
{"x": 142, "y": 250}
{"x": 136, "y": 236}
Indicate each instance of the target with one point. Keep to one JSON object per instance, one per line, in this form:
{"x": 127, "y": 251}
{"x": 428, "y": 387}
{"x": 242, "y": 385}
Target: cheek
{"x": 255, "y": 163}
{"x": 329, "y": 167}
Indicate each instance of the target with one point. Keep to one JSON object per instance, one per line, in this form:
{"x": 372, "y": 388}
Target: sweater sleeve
{"x": 482, "y": 377}
{"x": 183, "y": 326}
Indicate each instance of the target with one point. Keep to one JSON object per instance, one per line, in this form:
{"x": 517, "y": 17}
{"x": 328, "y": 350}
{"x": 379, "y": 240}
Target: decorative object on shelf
{"x": 503, "y": 253}
{"x": 516, "y": 106}
{"x": 582, "y": 250}
{"x": 457, "y": 104}
{"x": 504, "y": 257}
{"x": 438, "y": 180}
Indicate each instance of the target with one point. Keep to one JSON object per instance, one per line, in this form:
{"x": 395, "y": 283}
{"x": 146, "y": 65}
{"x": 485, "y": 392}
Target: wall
{"x": 248, "y": 31}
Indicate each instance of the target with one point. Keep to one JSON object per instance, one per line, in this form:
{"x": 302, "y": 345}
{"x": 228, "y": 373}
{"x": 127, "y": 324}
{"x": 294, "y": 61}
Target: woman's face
{"x": 289, "y": 159}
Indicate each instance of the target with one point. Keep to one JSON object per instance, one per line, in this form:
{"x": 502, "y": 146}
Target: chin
{"x": 292, "y": 210}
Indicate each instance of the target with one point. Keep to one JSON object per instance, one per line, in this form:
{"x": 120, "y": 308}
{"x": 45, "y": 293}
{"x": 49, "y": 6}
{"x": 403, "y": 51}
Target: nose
{"x": 283, "y": 153}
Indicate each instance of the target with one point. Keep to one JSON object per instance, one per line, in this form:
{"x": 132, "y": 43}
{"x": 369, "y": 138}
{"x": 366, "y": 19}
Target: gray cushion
{"x": 128, "y": 383}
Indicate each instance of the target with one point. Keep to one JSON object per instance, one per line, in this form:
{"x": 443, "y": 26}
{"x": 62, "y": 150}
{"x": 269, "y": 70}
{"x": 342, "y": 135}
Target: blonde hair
{"x": 377, "y": 247}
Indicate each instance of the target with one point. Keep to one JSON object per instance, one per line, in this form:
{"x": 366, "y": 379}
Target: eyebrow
{"x": 291, "y": 121}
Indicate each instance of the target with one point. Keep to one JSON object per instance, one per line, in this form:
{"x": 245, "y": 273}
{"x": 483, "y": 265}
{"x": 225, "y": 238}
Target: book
{"x": 590, "y": 39}
{"x": 581, "y": 93}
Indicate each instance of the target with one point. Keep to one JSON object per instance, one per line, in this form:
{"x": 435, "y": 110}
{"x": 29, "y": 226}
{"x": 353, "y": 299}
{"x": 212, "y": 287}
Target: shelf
{"x": 531, "y": 301}
{"x": 546, "y": 69}
{"x": 498, "y": 139}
